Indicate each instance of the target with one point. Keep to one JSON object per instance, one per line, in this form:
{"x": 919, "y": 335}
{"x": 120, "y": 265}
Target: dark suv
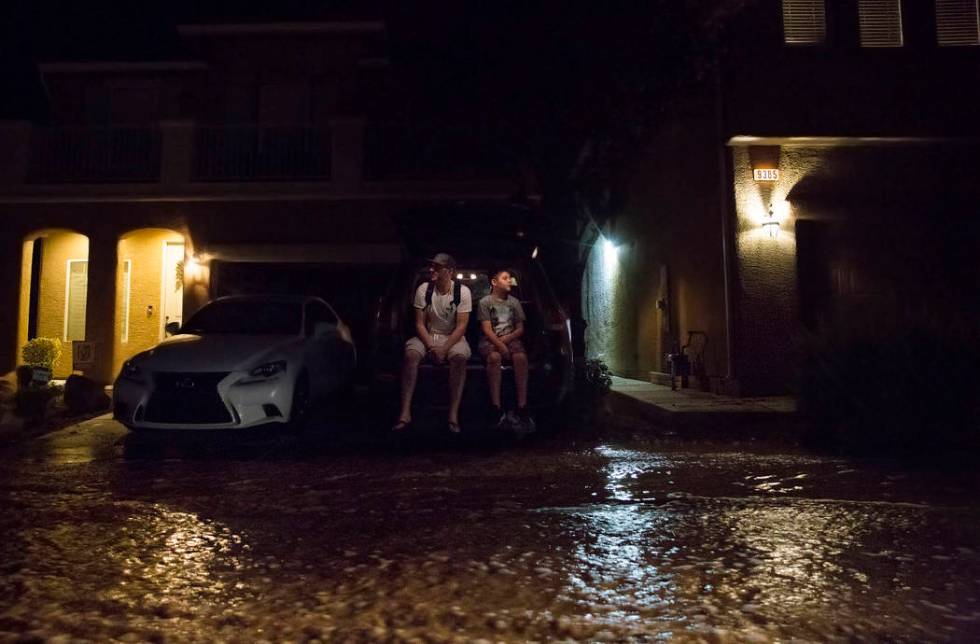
{"x": 547, "y": 338}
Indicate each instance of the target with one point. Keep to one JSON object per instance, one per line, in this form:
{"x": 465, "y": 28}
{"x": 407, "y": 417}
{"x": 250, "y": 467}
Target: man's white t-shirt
{"x": 441, "y": 316}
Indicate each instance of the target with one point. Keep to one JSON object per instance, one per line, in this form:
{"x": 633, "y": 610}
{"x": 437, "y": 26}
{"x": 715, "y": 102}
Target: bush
{"x": 592, "y": 379}
{"x": 25, "y": 375}
{"x": 893, "y": 388}
{"x": 41, "y": 352}
{"x": 33, "y": 403}
{"x": 83, "y": 395}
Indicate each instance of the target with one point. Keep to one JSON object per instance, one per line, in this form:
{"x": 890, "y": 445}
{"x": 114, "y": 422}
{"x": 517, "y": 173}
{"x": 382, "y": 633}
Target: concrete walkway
{"x": 692, "y": 409}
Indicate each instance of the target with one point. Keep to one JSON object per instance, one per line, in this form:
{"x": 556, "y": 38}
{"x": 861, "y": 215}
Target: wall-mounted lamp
{"x": 192, "y": 267}
{"x": 771, "y": 223}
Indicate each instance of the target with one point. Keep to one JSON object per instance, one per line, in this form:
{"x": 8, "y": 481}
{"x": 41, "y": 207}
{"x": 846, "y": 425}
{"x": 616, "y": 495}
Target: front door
{"x": 172, "y": 285}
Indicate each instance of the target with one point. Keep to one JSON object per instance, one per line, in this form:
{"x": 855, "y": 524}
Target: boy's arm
{"x": 519, "y": 318}
{"x": 488, "y": 331}
{"x": 516, "y": 333}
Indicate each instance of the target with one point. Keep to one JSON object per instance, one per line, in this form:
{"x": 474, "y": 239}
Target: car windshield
{"x": 247, "y": 317}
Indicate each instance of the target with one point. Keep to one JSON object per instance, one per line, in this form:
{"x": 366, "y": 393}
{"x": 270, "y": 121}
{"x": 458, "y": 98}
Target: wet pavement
{"x": 114, "y": 536}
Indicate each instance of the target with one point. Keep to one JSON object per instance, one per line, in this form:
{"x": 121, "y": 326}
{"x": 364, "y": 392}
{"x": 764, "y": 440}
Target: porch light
{"x": 771, "y": 224}
{"x": 192, "y": 267}
{"x": 776, "y": 213}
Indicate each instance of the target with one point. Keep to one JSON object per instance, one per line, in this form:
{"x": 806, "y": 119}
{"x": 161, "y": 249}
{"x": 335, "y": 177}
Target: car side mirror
{"x": 322, "y": 329}
{"x": 172, "y": 328}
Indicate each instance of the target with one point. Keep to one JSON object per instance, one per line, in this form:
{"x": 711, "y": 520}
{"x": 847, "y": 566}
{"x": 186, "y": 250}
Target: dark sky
{"x": 477, "y": 52}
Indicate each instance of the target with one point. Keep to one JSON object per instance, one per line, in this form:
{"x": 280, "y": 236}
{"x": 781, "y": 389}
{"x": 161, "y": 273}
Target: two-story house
{"x": 265, "y": 157}
{"x": 827, "y": 166}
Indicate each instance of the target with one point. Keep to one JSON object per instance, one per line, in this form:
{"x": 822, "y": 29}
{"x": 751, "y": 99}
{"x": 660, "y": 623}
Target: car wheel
{"x": 299, "y": 412}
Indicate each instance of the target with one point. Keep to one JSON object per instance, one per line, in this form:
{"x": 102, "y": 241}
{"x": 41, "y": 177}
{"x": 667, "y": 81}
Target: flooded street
{"x": 108, "y": 535}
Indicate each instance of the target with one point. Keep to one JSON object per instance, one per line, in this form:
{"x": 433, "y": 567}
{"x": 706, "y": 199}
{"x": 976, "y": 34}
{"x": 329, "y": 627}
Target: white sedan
{"x": 238, "y": 362}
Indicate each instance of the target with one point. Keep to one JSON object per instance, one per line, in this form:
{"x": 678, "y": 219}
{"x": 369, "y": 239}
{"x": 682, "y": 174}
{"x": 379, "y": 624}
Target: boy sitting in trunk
{"x": 502, "y": 321}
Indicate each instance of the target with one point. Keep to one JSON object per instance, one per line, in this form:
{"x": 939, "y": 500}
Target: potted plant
{"x": 33, "y": 393}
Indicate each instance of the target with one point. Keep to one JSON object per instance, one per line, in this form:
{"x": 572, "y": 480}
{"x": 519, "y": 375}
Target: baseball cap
{"x": 443, "y": 259}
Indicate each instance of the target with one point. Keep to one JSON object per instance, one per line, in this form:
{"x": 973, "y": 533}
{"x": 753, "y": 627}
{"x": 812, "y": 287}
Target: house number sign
{"x": 768, "y": 174}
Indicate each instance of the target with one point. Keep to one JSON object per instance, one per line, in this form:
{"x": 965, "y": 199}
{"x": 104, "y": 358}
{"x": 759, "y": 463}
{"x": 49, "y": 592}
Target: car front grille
{"x": 190, "y": 398}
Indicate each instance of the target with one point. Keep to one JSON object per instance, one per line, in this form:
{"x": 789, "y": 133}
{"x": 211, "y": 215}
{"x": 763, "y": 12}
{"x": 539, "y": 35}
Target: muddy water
{"x": 104, "y": 538}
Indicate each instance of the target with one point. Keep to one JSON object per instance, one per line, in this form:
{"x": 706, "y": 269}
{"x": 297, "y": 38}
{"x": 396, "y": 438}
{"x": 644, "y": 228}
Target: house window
{"x": 76, "y": 286}
{"x": 804, "y": 22}
{"x": 957, "y": 24}
{"x": 880, "y": 22}
{"x": 126, "y": 281}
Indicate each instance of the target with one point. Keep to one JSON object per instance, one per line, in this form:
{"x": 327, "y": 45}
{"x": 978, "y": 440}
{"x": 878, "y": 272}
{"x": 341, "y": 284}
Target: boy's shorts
{"x": 461, "y": 348}
{"x": 514, "y": 346}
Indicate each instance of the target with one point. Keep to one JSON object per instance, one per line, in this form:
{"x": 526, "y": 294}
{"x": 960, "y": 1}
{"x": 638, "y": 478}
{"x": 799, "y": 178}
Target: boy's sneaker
{"x": 496, "y": 417}
{"x": 524, "y": 421}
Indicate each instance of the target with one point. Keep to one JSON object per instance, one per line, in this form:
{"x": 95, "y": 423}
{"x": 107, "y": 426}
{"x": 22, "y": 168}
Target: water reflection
{"x": 792, "y": 554}
{"x": 616, "y": 573}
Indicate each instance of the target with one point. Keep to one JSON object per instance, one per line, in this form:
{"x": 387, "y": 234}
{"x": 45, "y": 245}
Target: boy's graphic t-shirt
{"x": 502, "y": 314}
{"x": 441, "y": 316}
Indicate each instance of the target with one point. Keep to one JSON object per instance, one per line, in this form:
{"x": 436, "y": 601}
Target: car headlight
{"x": 131, "y": 371}
{"x": 266, "y": 371}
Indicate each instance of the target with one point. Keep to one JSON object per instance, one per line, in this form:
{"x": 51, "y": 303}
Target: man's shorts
{"x": 514, "y": 346}
{"x": 461, "y": 348}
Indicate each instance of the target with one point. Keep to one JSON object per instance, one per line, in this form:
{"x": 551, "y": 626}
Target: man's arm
{"x": 462, "y": 319}
{"x": 420, "y": 329}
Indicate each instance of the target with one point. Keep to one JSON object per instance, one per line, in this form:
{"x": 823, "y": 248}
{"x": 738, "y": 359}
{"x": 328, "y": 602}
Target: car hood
{"x": 217, "y": 352}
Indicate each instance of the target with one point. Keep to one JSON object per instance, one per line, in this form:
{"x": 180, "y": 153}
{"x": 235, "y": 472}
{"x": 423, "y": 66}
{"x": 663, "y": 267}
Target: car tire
{"x": 302, "y": 404}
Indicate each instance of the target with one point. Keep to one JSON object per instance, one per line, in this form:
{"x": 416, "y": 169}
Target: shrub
{"x": 592, "y": 379}
{"x": 33, "y": 403}
{"x": 41, "y": 352}
{"x": 24, "y": 374}
{"x": 893, "y": 387}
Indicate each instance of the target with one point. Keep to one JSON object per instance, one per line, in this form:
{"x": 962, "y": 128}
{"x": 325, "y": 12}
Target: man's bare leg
{"x": 457, "y": 378}
{"x": 520, "y": 378}
{"x": 410, "y": 373}
{"x": 494, "y": 377}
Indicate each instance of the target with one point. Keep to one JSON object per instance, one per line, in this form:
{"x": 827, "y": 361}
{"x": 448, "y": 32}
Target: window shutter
{"x": 956, "y": 23}
{"x": 880, "y": 22}
{"x": 804, "y": 22}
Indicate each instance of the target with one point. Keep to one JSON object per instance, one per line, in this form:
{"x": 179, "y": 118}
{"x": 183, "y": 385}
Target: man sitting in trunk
{"x": 442, "y": 310}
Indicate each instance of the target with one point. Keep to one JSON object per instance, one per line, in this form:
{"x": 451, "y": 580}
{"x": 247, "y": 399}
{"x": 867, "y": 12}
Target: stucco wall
{"x": 144, "y": 249}
{"x": 24, "y": 297}
{"x": 908, "y": 211}
{"x": 608, "y": 306}
{"x": 59, "y": 247}
{"x": 669, "y": 233}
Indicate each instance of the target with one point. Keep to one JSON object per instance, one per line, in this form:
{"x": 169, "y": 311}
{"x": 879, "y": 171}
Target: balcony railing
{"x": 261, "y": 153}
{"x": 177, "y": 152}
{"x": 85, "y": 154}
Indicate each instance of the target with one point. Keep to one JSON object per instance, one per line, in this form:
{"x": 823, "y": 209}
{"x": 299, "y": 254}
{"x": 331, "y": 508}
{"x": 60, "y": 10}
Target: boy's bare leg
{"x": 520, "y": 378}
{"x": 494, "y": 377}
{"x": 410, "y": 373}
{"x": 457, "y": 378}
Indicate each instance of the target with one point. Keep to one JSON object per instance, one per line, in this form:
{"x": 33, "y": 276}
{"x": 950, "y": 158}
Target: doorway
{"x": 172, "y": 286}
